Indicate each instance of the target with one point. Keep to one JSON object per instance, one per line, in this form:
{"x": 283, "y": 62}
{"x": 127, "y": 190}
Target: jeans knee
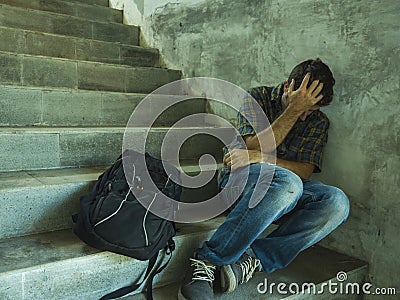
{"x": 339, "y": 208}
{"x": 286, "y": 189}
{"x": 290, "y": 182}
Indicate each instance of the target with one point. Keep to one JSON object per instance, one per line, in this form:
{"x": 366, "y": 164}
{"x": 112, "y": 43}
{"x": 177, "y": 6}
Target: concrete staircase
{"x": 70, "y": 76}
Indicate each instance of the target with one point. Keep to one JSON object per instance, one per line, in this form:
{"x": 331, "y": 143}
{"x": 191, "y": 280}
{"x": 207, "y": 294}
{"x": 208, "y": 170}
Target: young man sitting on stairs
{"x": 305, "y": 210}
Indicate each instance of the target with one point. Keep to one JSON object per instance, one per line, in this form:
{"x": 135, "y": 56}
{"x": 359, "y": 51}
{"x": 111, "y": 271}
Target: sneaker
{"x": 238, "y": 273}
{"x": 198, "y": 282}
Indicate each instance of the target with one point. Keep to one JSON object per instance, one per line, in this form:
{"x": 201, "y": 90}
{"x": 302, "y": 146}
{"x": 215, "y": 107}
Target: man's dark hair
{"x": 319, "y": 71}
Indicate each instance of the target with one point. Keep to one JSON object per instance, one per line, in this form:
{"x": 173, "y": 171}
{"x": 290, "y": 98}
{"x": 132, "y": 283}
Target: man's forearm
{"x": 298, "y": 101}
{"x": 279, "y": 129}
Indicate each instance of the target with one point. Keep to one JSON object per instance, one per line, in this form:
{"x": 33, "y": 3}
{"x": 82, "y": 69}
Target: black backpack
{"x": 111, "y": 217}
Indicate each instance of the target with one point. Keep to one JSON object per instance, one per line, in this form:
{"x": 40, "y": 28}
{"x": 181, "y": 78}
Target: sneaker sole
{"x": 228, "y": 279}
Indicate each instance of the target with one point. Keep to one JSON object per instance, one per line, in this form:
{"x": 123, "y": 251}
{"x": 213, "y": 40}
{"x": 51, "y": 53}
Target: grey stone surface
{"x": 116, "y": 33}
{"x": 25, "y": 106}
{"x": 10, "y": 69}
{"x": 39, "y": 209}
{"x": 178, "y": 111}
{"x": 102, "y": 77}
{"x": 70, "y": 26}
{"x": 21, "y": 150}
{"x": 29, "y": 42}
{"x": 146, "y": 78}
{"x": 92, "y": 50}
{"x": 193, "y": 147}
{"x": 71, "y": 108}
{"x": 98, "y": 76}
{"x": 99, "y": 13}
{"x": 12, "y": 40}
{"x": 91, "y": 2}
{"x": 53, "y": 257}
{"x": 20, "y": 106}
{"x": 83, "y": 10}
{"x": 16, "y": 17}
{"x": 38, "y": 201}
{"x": 92, "y": 147}
{"x": 29, "y": 19}
{"x": 38, "y": 44}
{"x": 37, "y": 148}
{"x": 43, "y": 200}
{"x": 116, "y": 108}
{"x": 132, "y": 56}
{"x": 38, "y": 71}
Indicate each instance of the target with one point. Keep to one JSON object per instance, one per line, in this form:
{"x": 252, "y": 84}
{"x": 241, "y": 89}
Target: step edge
{"x": 95, "y": 172}
{"x": 77, "y": 61}
{"x": 73, "y": 91}
{"x": 76, "y": 1}
{"x": 79, "y": 4}
{"x": 69, "y": 16}
{"x": 89, "y": 129}
{"x": 96, "y": 255}
{"x": 79, "y": 38}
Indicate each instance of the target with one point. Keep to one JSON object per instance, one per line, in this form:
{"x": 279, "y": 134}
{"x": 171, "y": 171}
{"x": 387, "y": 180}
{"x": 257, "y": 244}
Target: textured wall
{"x": 258, "y": 42}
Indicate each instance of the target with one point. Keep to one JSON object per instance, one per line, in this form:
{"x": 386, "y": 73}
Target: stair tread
{"x": 314, "y": 265}
{"x": 81, "y": 38}
{"x": 64, "y": 15}
{"x": 72, "y": 91}
{"x": 56, "y": 5}
{"x": 20, "y": 253}
{"x": 25, "y": 41}
{"x": 95, "y": 3}
{"x": 57, "y": 129}
{"x": 36, "y": 178}
{"x": 46, "y": 21}
{"x": 47, "y": 71}
{"x": 77, "y": 3}
{"x": 85, "y": 61}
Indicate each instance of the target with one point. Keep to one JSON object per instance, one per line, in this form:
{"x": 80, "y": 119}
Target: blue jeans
{"x": 305, "y": 210}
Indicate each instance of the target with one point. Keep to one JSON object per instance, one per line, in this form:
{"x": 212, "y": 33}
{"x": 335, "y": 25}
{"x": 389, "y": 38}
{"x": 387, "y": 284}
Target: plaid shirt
{"x": 306, "y": 140}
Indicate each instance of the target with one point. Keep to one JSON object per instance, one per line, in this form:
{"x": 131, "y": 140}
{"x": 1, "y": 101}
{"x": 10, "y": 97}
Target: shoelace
{"x": 248, "y": 268}
{"x": 202, "y": 271}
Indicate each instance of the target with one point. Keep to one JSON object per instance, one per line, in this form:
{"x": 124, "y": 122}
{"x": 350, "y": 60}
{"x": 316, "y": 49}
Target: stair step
{"x": 34, "y": 43}
{"x": 57, "y": 265}
{"x": 44, "y": 200}
{"x": 82, "y": 10}
{"x": 25, "y": 106}
{"x": 316, "y": 265}
{"x": 37, "y": 71}
{"x": 53, "y": 147}
{"x": 91, "y": 2}
{"x": 29, "y": 19}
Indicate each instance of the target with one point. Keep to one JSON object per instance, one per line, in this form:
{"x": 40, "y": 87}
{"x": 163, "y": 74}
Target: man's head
{"x": 319, "y": 71}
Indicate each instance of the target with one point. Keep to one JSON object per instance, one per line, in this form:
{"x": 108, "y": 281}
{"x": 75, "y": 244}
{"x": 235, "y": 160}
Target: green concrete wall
{"x": 258, "y": 42}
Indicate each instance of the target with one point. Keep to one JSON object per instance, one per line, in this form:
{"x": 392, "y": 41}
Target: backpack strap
{"x": 130, "y": 288}
{"x": 149, "y": 293}
{"x": 149, "y": 287}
